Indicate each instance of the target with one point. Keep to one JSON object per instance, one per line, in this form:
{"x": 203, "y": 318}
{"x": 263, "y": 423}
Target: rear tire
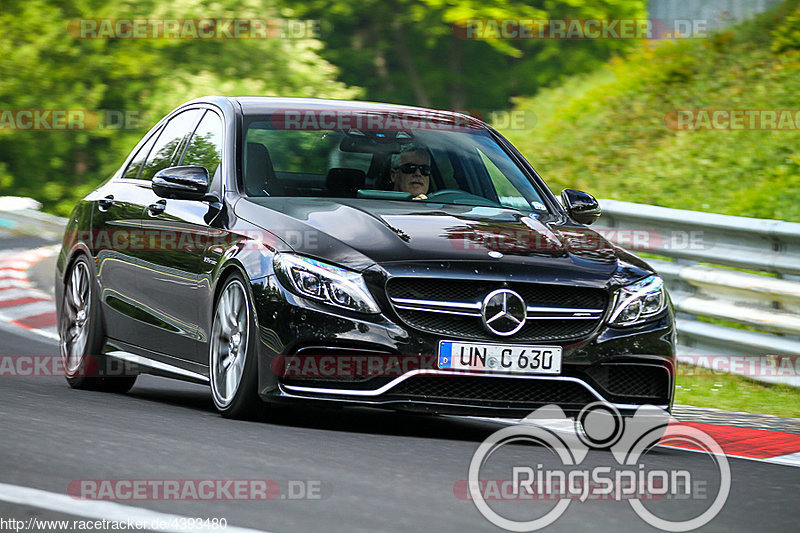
{"x": 232, "y": 365}
{"x": 81, "y": 334}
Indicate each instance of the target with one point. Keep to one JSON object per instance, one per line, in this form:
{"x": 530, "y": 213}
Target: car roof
{"x": 265, "y": 105}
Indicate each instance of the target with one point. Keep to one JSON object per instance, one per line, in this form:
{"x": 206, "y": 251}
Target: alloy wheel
{"x": 229, "y": 336}
{"x": 76, "y": 324}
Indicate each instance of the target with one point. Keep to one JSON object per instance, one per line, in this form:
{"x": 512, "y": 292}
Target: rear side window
{"x": 165, "y": 151}
{"x": 132, "y": 172}
{"x": 205, "y": 148}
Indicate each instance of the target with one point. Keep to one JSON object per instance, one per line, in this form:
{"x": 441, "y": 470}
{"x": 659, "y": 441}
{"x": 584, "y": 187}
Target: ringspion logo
{"x": 628, "y": 478}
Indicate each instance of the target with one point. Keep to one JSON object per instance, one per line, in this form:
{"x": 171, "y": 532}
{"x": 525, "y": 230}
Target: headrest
{"x": 258, "y": 170}
{"x": 345, "y": 182}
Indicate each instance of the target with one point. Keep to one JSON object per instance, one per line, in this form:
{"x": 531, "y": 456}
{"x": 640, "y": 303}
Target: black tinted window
{"x": 164, "y": 152}
{"x": 132, "y": 172}
{"x": 205, "y": 148}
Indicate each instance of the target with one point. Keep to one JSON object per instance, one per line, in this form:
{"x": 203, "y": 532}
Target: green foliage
{"x": 408, "y": 51}
{"x": 609, "y": 132}
{"x": 45, "y": 67}
{"x": 603, "y": 131}
{"x": 787, "y": 35}
{"x": 203, "y": 152}
{"x": 703, "y": 387}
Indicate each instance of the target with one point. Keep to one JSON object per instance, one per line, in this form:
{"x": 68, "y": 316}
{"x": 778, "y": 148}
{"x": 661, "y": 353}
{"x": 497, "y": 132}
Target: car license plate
{"x": 455, "y": 355}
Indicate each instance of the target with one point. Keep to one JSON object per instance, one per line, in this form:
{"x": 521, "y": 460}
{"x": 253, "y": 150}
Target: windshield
{"x": 434, "y": 162}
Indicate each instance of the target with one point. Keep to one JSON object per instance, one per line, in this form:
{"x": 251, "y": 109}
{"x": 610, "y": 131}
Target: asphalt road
{"x": 377, "y": 471}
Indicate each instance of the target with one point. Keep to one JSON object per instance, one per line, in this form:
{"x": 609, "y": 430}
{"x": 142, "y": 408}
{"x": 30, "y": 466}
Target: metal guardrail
{"x": 714, "y": 15}
{"x": 21, "y": 216}
{"x": 696, "y": 247}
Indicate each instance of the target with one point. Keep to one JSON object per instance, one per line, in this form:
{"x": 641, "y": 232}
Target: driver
{"x": 411, "y": 171}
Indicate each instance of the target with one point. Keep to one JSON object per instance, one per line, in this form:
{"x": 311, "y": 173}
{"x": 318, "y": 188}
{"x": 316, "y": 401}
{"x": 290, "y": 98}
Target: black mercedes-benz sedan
{"x": 357, "y": 253}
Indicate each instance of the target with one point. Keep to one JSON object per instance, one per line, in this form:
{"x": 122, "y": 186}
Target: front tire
{"x": 81, "y": 335}
{"x": 233, "y": 369}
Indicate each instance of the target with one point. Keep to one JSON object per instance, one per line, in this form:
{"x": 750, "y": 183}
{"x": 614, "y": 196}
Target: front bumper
{"x": 312, "y": 353}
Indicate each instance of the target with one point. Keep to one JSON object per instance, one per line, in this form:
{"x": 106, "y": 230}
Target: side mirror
{"x": 181, "y": 183}
{"x": 581, "y": 206}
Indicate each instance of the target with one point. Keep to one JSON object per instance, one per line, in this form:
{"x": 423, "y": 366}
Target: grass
{"x": 608, "y": 132}
{"x": 703, "y": 388}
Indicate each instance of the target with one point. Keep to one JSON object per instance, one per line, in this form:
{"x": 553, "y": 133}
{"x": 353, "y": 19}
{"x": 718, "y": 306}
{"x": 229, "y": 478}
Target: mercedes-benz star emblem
{"x": 503, "y": 312}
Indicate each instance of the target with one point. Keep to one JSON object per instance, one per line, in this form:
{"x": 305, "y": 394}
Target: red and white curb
{"x": 21, "y": 303}
{"x": 776, "y": 447}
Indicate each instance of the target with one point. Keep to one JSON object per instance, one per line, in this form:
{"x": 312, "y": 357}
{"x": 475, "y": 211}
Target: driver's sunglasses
{"x": 410, "y": 168}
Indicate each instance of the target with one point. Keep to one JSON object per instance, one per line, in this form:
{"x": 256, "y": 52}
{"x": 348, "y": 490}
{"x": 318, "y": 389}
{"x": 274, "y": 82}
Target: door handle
{"x": 104, "y": 204}
{"x": 156, "y": 208}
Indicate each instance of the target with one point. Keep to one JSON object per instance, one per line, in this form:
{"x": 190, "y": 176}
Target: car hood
{"x": 358, "y": 233}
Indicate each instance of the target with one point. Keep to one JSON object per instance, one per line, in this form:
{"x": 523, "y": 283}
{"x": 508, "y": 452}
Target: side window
{"x": 205, "y": 148}
{"x": 506, "y": 183}
{"x": 132, "y": 172}
{"x": 165, "y": 150}
{"x": 501, "y": 185}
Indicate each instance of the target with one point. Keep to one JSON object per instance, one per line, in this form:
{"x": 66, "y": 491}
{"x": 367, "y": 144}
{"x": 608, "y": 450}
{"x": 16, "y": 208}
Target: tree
{"x": 45, "y": 67}
{"x": 409, "y": 51}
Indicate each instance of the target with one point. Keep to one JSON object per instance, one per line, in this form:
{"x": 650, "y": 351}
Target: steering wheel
{"x": 457, "y": 196}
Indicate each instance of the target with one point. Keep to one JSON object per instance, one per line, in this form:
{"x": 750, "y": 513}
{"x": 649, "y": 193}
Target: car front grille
{"x": 493, "y": 391}
{"x": 452, "y": 308}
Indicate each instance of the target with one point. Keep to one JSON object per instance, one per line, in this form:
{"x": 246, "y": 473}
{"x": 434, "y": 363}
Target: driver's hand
{"x": 420, "y": 197}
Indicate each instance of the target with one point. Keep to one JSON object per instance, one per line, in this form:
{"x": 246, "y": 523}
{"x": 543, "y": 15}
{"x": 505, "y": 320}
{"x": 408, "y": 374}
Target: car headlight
{"x": 639, "y": 302}
{"x": 327, "y": 283}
